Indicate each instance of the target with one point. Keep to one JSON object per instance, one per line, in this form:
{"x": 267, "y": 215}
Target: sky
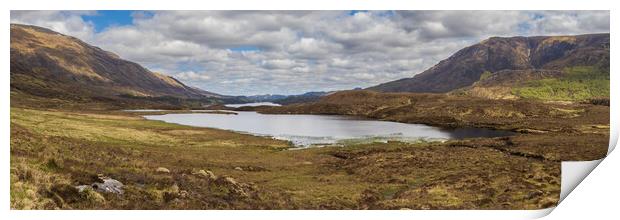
{"x": 292, "y": 52}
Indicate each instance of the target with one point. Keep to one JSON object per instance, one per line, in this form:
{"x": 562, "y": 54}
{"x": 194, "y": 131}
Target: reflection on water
{"x": 306, "y": 130}
{"x": 253, "y": 104}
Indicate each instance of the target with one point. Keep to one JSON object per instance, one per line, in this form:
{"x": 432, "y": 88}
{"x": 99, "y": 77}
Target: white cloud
{"x": 278, "y": 64}
{"x": 556, "y": 22}
{"x": 66, "y": 22}
{"x": 313, "y": 48}
{"x": 362, "y": 76}
{"x": 254, "y": 52}
{"x": 191, "y": 75}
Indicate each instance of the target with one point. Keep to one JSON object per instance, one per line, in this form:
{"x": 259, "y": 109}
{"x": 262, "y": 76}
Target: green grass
{"x": 579, "y": 83}
{"x": 485, "y": 75}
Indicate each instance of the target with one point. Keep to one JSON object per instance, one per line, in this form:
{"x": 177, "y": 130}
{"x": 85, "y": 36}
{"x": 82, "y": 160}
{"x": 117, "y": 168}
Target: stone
{"x": 239, "y": 168}
{"x": 200, "y": 173}
{"x": 229, "y": 180}
{"x": 108, "y": 185}
{"x": 104, "y": 185}
{"x": 207, "y": 174}
{"x": 162, "y": 170}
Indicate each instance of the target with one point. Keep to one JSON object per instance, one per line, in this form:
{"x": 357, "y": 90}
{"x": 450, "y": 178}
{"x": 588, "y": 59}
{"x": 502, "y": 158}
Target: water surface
{"x": 307, "y": 130}
{"x": 143, "y": 110}
{"x": 253, "y": 104}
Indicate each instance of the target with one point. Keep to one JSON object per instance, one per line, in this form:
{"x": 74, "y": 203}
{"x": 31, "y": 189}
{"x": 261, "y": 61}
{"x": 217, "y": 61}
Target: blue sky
{"x": 245, "y": 48}
{"x": 292, "y": 52}
{"x": 105, "y": 18}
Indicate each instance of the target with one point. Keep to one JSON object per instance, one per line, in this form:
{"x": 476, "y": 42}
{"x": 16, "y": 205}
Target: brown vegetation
{"x": 563, "y": 128}
{"x": 52, "y": 152}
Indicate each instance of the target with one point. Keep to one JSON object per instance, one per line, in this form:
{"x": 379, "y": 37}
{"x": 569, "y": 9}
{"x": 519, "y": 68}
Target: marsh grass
{"x": 52, "y": 151}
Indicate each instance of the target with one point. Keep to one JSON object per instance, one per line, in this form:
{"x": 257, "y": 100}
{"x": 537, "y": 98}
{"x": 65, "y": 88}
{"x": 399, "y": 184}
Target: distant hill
{"x": 302, "y": 98}
{"x": 280, "y": 99}
{"x": 511, "y": 61}
{"x": 48, "y": 64}
{"x": 264, "y": 98}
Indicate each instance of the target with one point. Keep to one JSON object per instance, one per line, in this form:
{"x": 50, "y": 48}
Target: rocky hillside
{"x": 45, "y": 63}
{"x": 531, "y": 56}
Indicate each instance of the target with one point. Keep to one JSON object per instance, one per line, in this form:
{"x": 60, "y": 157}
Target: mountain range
{"x": 51, "y": 65}
{"x": 283, "y": 99}
{"x": 508, "y": 58}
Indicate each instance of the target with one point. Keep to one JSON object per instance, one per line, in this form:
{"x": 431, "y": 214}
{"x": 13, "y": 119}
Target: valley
{"x": 52, "y": 151}
{"x": 70, "y": 131}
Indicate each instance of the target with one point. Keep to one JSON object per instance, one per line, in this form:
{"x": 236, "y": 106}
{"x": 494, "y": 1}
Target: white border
{"x": 313, "y": 5}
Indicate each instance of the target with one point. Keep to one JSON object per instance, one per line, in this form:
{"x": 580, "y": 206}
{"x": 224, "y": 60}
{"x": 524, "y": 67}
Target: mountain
{"x": 521, "y": 57}
{"x": 302, "y": 98}
{"x": 280, "y": 99}
{"x": 264, "y": 98}
{"x": 48, "y": 64}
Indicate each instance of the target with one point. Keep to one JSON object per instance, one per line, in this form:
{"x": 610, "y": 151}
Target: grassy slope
{"x": 579, "y": 83}
{"x": 52, "y": 151}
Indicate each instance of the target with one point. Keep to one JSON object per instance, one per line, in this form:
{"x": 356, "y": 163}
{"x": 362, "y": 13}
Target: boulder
{"x": 108, "y": 185}
{"x": 105, "y": 185}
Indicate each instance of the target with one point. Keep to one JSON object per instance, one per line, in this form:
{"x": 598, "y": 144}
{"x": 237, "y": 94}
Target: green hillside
{"x": 578, "y": 83}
